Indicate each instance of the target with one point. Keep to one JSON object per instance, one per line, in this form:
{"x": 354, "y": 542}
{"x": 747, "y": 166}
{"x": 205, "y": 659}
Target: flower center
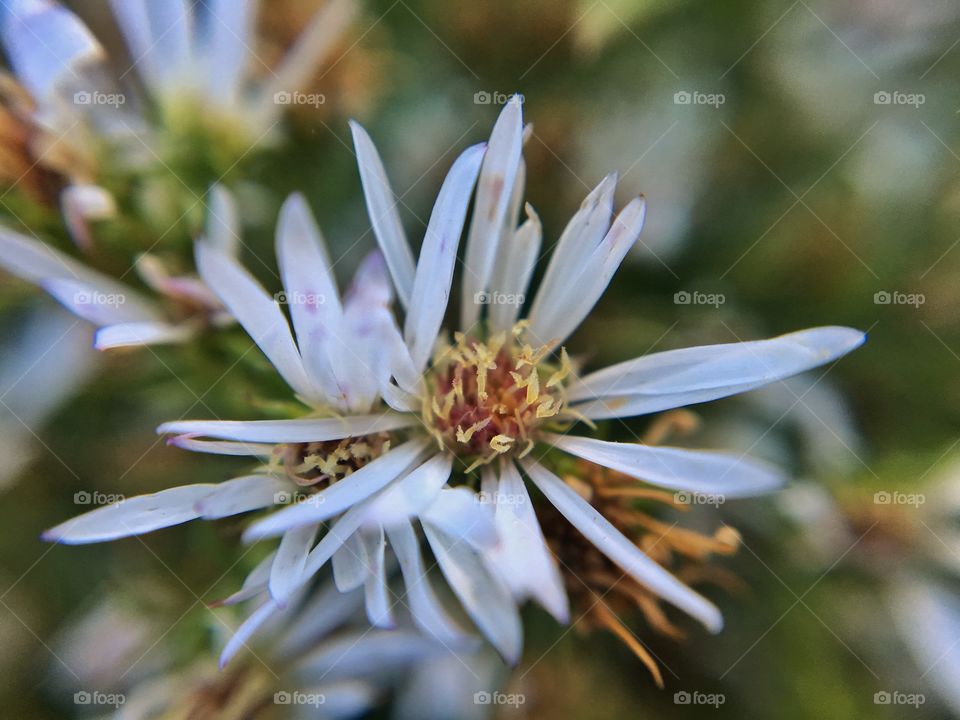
{"x": 320, "y": 464}
{"x": 487, "y": 398}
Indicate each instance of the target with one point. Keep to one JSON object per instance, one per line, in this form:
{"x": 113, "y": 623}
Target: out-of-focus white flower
{"x": 125, "y": 317}
{"x": 196, "y": 62}
{"x": 39, "y": 370}
{"x": 417, "y": 414}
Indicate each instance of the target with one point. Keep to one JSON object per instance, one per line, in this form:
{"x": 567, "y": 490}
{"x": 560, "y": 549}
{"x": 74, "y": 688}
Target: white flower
{"x": 125, "y": 317}
{"x": 196, "y": 62}
{"x": 497, "y": 397}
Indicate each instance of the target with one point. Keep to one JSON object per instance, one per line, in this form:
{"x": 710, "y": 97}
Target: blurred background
{"x": 801, "y": 163}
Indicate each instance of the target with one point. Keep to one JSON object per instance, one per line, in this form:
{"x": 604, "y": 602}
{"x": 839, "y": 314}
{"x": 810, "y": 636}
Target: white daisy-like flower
{"x": 124, "y": 316}
{"x": 197, "y": 64}
{"x": 425, "y": 420}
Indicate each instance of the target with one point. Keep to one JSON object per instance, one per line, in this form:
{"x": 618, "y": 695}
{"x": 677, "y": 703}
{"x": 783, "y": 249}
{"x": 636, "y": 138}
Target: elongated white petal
{"x": 321, "y": 613}
{"x": 350, "y": 564}
{"x": 494, "y": 193}
{"x": 698, "y": 471}
{"x": 133, "y": 516}
{"x": 289, "y": 431}
{"x": 246, "y": 631}
{"x": 223, "y": 220}
{"x": 254, "y": 583}
{"x": 362, "y": 653}
{"x": 411, "y": 495}
{"x": 612, "y": 543}
{"x": 309, "y": 50}
{"x": 158, "y": 36}
{"x": 311, "y": 292}
{"x": 342, "y": 495}
{"x": 523, "y": 558}
{"x": 515, "y": 267}
{"x": 136, "y": 334}
{"x": 431, "y": 285}
{"x": 221, "y": 447}
{"x": 459, "y": 513}
{"x": 46, "y": 45}
{"x": 425, "y": 608}
{"x": 95, "y": 306}
{"x": 586, "y": 284}
{"x": 676, "y": 378}
{"x": 337, "y": 535}
{"x": 226, "y": 48}
{"x": 376, "y": 590}
{"x": 486, "y": 599}
{"x": 384, "y": 218}
{"x": 240, "y": 495}
{"x": 288, "y": 564}
{"x": 259, "y": 314}
{"x": 579, "y": 238}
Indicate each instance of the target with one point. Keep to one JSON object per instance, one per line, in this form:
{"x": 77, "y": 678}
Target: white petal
{"x": 523, "y": 558}
{"x": 259, "y": 314}
{"x": 376, "y": 590}
{"x": 350, "y": 564}
{"x": 459, "y": 513}
{"x": 341, "y": 495}
{"x": 287, "y": 568}
{"x": 158, "y": 36}
{"x": 411, "y": 495}
{"x": 516, "y": 263}
{"x": 431, "y": 285}
{"x": 240, "y": 495}
{"x": 136, "y": 334}
{"x": 290, "y": 431}
{"x": 82, "y": 203}
{"x": 676, "y": 378}
{"x": 133, "y": 516}
{"x": 384, "y": 218}
{"x": 323, "y": 31}
{"x": 494, "y": 193}
{"x": 580, "y": 238}
{"x": 47, "y": 45}
{"x": 485, "y": 598}
{"x": 246, "y": 631}
{"x": 324, "y": 611}
{"x": 223, "y": 220}
{"x": 425, "y": 608}
{"x": 100, "y": 308}
{"x": 227, "y": 47}
{"x": 370, "y": 652}
{"x": 598, "y": 530}
{"x": 584, "y": 286}
{"x": 311, "y": 292}
{"x": 696, "y": 471}
{"x": 218, "y": 447}
{"x": 255, "y": 582}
